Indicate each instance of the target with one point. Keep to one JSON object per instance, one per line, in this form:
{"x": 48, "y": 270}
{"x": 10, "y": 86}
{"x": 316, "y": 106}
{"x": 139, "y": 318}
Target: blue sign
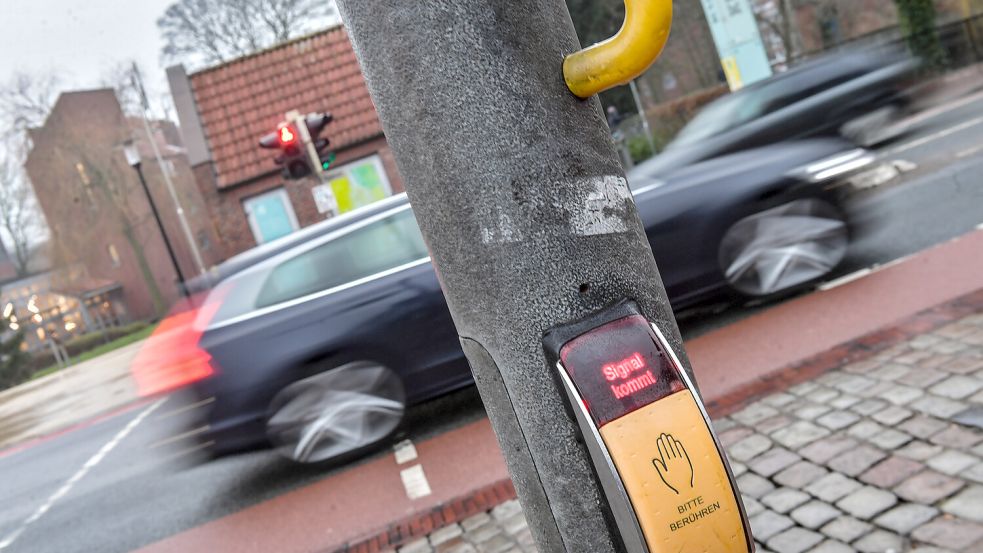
{"x": 735, "y": 32}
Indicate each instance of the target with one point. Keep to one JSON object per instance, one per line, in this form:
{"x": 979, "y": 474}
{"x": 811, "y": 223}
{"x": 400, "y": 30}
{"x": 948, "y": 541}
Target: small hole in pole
{"x": 584, "y": 289}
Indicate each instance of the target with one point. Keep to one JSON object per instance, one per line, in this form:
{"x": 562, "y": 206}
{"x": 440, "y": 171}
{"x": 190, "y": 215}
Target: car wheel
{"x": 336, "y": 412}
{"x": 780, "y": 249}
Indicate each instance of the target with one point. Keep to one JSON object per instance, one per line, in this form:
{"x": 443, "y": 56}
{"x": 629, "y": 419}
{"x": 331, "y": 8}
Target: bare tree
{"x": 779, "y": 20}
{"x": 119, "y": 77}
{"x": 206, "y": 32}
{"x": 25, "y": 101}
{"x": 19, "y": 218}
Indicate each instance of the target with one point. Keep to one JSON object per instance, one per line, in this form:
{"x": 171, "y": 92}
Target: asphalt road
{"x": 111, "y": 486}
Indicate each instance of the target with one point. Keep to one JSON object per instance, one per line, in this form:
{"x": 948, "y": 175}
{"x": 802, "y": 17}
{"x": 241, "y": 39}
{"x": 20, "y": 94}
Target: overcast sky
{"x": 81, "y": 39}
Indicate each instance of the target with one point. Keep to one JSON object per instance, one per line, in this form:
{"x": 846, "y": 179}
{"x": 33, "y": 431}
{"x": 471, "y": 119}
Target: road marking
{"x": 970, "y": 152}
{"x": 843, "y": 280}
{"x": 405, "y": 452}
{"x": 935, "y": 136}
{"x": 415, "y": 482}
{"x": 862, "y": 273}
{"x": 939, "y": 110}
{"x": 88, "y": 466}
{"x": 904, "y": 166}
{"x": 13, "y": 450}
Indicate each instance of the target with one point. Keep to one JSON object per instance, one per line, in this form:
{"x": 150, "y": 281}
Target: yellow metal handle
{"x": 624, "y": 56}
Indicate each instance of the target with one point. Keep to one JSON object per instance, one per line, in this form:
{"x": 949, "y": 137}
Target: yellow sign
{"x": 733, "y": 73}
{"x": 675, "y": 478}
{"x": 342, "y": 188}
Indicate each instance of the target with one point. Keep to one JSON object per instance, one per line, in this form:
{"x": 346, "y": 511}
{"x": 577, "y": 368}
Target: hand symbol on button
{"x": 673, "y": 463}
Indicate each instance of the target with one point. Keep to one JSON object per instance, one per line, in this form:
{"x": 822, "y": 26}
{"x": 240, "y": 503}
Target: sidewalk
{"x": 58, "y": 401}
{"x": 868, "y": 457}
{"x": 951, "y": 86}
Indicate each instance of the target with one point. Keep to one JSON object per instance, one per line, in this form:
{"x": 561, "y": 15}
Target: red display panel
{"x": 619, "y": 368}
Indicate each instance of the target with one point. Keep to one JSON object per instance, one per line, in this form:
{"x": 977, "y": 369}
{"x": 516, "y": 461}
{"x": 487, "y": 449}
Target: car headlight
{"x": 836, "y": 166}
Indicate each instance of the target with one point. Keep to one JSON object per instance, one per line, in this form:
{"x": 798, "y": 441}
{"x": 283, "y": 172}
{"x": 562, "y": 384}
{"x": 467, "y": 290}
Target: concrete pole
{"x": 530, "y": 222}
{"x": 182, "y": 217}
{"x": 643, "y": 115}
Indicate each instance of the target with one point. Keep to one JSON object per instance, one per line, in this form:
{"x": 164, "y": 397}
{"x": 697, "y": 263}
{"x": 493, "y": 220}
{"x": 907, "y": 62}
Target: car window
{"x": 725, "y": 114}
{"x": 767, "y": 97}
{"x": 716, "y": 117}
{"x": 372, "y": 249}
{"x": 820, "y": 82}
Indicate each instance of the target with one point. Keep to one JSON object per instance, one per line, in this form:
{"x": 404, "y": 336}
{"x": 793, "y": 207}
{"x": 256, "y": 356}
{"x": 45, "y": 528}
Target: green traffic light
{"x": 327, "y": 164}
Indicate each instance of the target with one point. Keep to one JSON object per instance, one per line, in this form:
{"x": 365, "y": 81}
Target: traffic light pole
{"x": 299, "y": 121}
{"x": 530, "y": 222}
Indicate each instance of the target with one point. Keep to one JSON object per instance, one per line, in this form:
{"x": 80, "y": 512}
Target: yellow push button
{"x": 675, "y": 478}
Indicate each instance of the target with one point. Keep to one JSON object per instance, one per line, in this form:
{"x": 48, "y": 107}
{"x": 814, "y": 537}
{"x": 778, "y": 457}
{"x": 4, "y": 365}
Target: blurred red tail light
{"x": 172, "y": 358}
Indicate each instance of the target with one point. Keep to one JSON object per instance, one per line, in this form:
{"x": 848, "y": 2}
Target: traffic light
{"x": 315, "y": 124}
{"x": 294, "y": 158}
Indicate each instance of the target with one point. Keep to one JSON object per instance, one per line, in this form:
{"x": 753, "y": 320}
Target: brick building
{"x": 103, "y": 233}
{"x": 8, "y": 271}
{"x": 224, "y": 110}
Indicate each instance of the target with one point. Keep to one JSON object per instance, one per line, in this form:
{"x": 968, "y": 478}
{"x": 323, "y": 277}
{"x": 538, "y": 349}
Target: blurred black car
{"x": 316, "y": 344}
{"x": 853, "y": 94}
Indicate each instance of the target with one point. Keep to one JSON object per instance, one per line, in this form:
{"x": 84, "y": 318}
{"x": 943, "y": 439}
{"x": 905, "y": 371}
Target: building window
{"x": 270, "y": 215}
{"x": 359, "y": 183}
{"x": 86, "y": 184}
{"x": 114, "y": 256}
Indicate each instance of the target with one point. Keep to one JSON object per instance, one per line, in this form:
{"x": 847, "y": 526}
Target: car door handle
{"x": 626, "y": 55}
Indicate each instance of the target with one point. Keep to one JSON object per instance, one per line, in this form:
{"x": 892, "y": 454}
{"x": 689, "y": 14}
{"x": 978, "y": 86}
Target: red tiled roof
{"x": 242, "y": 100}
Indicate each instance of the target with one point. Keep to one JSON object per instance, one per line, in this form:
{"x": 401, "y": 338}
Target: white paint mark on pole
{"x": 415, "y": 482}
{"x": 88, "y": 466}
{"x": 405, "y": 452}
{"x": 600, "y": 214}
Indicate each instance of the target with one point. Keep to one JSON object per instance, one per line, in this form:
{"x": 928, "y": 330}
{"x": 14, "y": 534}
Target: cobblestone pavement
{"x": 866, "y": 458}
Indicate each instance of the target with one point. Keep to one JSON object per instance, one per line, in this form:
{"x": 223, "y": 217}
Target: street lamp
{"x": 132, "y": 154}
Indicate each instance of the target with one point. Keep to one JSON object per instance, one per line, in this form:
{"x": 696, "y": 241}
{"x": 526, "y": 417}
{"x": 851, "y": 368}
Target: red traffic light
{"x": 294, "y": 158}
{"x": 287, "y": 136}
